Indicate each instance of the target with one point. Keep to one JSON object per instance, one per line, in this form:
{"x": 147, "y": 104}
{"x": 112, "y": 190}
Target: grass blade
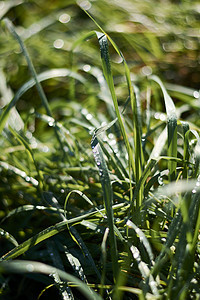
{"x": 40, "y": 90}
{"x": 108, "y": 200}
{"x": 20, "y": 266}
{"x": 49, "y": 232}
{"x": 29, "y": 84}
{"x": 172, "y": 127}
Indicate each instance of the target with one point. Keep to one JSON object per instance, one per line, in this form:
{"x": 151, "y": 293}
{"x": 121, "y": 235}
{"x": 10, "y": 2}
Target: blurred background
{"x": 156, "y": 37}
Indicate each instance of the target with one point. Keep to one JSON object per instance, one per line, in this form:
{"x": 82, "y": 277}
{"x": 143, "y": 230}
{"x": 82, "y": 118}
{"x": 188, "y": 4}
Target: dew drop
{"x": 89, "y": 117}
{"x": 45, "y": 149}
{"x": 84, "y": 4}
{"x": 58, "y": 44}
{"x": 84, "y": 111}
{"x": 86, "y": 68}
{"x": 146, "y": 71}
{"x": 103, "y": 124}
{"x": 29, "y": 135}
{"x": 30, "y": 268}
{"x": 64, "y": 18}
{"x": 196, "y": 94}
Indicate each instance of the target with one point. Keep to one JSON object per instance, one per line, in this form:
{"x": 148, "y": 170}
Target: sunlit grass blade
{"x": 171, "y": 126}
{"x": 145, "y": 271}
{"x": 75, "y": 263}
{"x": 12, "y": 30}
{"x": 51, "y": 231}
{"x": 143, "y": 239}
{"x": 159, "y": 145}
{"x": 30, "y": 153}
{"x": 104, "y": 257}
{"x": 64, "y": 290}
{"x": 15, "y": 119}
{"x": 40, "y": 90}
{"x": 148, "y": 168}
{"x": 108, "y": 200}
{"x": 7, "y": 5}
{"x": 85, "y": 250}
{"x": 109, "y": 78}
{"x": 19, "y": 172}
{"x": 139, "y": 159}
{"x": 53, "y": 73}
{"x": 6, "y": 235}
{"x": 26, "y": 208}
{"x": 84, "y": 197}
{"x": 20, "y": 266}
{"x": 186, "y": 153}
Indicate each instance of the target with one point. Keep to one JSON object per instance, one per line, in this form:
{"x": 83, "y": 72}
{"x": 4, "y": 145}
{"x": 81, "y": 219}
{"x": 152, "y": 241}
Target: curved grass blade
{"x": 109, "y": 78}
{"x": 143, "y": 239}
{"x": 172, "y": 127}
{"x": 64, "y": 290}
{"x": 12, "y": 30}
{"x": 19, "y": 172}
{"x": 143, "y": 178}
{"x": 83, "y": 196}
{"x": 30, "y": 152}
{"x": 145, "y": 271}
{"x": 29, "y": 84}
{"x": 20, "y": 266}
{"x": 85, "y": 250}
{"x": 186, "y": 153}
{"x": 14, "y": 120}
{"x": 50, "y": 231}
{"x": 108, "y": 200}
{"x": 75, "y": 263}
{"x": 7, "y": 5}
{"x": 104, "y": 258}
{"x": 6, "y": 235}
{"x": 40, "y": 90}
{"x": 26, "y": 208}
{"x": 139, "y": 159}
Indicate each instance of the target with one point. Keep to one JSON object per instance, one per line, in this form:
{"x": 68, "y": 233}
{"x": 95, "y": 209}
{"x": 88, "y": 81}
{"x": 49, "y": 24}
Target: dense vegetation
{"x": 99, "y": 149}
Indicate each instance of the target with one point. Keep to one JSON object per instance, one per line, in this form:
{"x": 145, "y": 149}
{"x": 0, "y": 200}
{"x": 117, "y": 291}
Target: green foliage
{"x": 100, "y": 150}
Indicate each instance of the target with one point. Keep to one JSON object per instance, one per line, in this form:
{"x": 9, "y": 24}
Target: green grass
{"x": 100, "y": 150}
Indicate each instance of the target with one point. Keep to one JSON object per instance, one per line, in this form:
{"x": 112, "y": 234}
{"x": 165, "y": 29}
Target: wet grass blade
{"x": 20, "y": 267}
{"x": 145, "y": 271}
{"x": 50, "y": 231}
{"x": 29, "y": 84}
{"x": 85, "y": 250}
{"x": 108, "y": 200}
{"x": 40, "y": 90}
{"x": 136, "y": 165}
{"x": 30, "y": 153}
{"x": 143, "y": 239}
{"x": 6, "y": 235}
{"x": 64, "y": 290}
{"x": 172, "y": 127}
{"x": 103, "y": 42}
